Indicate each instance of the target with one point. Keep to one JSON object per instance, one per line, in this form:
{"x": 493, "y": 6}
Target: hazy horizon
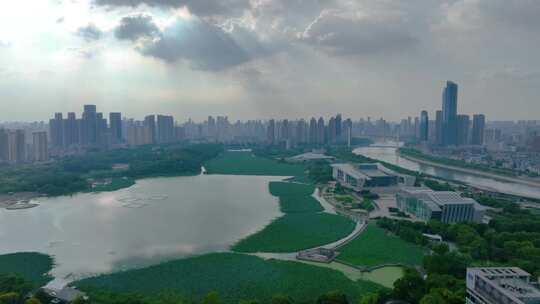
{"x": 258, "y": 59}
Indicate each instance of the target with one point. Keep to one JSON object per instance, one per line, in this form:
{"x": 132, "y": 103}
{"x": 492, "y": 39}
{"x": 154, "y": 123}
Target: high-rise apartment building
{"x": 347, "y": 131}
{"x": 479, "y": 124}
{"x": 165, "y": 129}
{"x": 321, "y": 132}
{"x": 103, "y": 137}
{"x": 312, "y": 137}
{"x": 449, "y": 114}
{"x": 332, "y": 129}
{"x": 150, "y": 129}
{"x": 211, "y": 127}
{"x": 56, "y": 130}
{"x": 339, "y": 127}
{"x": 424, "y": 126}
{"x": 4, "y": 146}
{"x": 115, "y": 122}
{"x": 71, "y": 130}
{"x": 16, "y": 146}
{"x": 464, "y": 125}
{"x": 271, "y": 132}
{"x": 439, "y": 128}
{"x": 40, "y": 150}
{"x": 88, "y": 130}
{"x": 285, "y": 130}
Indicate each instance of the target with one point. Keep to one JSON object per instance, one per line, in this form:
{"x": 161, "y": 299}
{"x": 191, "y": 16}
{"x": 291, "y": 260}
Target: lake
{"x": 156, "y": 220}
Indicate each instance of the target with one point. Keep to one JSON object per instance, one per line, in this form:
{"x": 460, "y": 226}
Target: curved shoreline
{"x": 503, "y": 178}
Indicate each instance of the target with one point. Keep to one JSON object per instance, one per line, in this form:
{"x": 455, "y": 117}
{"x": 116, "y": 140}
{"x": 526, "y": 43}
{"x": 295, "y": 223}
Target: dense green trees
{"x": 68, "y": 175}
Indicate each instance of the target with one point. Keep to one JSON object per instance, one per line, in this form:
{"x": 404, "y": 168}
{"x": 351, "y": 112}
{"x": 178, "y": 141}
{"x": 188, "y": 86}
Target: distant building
{"x": 271, "y": 132}
{"x": 40, "y": 150}
{"x": 4, "y": 145}
{"x": 479, "y": 124}
{"x": 103, "y": 137}
{"x": 339, "y": 128}
{"x": 312, "y": 136}
{"x": 115, "y": 122}
{"x": 71, "y": 130}
{"x": 285, "y": 131}
{"x": 309, "y": 156}
{"x": 445, "y": 206}
{"x": 56, "y": 130}
{"x": 464, "y": 125}
{"x": 439, "y": 128}
{"x": 449, "y": 114}
{"x": 424, "y": 126}
{"x": 16, "y": 146}
{"x": 369, "y": 175}
{"x": 88, "y": 127}
{"x": 501, "y": 285}
{"x": 150, "y": 129}
{"x": 332, "y": 130}
{"x": 321, "y": 133}
{"x": 165, "y": 129}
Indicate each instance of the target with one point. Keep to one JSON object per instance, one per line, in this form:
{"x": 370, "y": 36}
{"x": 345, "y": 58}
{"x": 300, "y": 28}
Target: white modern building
{"x": 501, "y": 285}
{"x": 310, "y": 156}
{"x": 445, "y": 206}
{"x": 359, "y": 177}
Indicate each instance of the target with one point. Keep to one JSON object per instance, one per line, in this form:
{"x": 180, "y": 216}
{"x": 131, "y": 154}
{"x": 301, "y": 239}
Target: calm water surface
{"x": 390, "y": 155}
{"x": 155, "y": 220}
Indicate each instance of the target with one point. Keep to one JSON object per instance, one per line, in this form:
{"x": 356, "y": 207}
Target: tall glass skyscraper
{"x": 424, "y": 126}
{"x": 449, "y": 112}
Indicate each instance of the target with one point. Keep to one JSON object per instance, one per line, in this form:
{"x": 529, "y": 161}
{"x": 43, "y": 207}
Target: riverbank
{"x": 472, "y": 171}
{"x": 20, "y": 200}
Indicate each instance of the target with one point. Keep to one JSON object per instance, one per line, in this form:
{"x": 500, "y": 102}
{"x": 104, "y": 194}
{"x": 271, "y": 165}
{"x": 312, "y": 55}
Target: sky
{"x": 258, "y": 59}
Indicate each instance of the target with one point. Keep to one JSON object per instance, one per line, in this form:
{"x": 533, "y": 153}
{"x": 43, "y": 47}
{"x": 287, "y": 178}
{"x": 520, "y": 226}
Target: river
{"x": 390, "y": 155}
{"x": 155, "y": 220}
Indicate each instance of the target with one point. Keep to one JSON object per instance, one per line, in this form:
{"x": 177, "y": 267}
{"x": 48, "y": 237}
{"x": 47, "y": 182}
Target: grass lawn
{"x": 299, "y": 204}
{"x": 297, "y": 231}
{"x": 245, "y": 163}
{"x": 31, "y": 266}
{"x": 295, "y": 198}
{"x": 374, "y": 247}
{"x": 290, "y": 189}
{"x": 234, "y": 276}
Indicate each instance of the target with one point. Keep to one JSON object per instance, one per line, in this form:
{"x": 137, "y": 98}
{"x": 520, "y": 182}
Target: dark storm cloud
{"x": 205, "y": 46}
{"x": 198, "y": 7}
{"x": 89, "y": 32}
{"x": 135, "y": 27}
{"x": 346, "y": 34}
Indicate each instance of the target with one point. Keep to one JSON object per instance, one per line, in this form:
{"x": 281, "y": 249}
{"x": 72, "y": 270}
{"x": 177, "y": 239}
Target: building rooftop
{"x": 309, "y": 156}
{"x": 439, "y": 198}
{"x": 366, "y": 170}
{"x": 512, "y": 281}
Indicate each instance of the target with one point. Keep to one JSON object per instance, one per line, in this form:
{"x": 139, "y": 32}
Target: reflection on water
{"x": 156, "y": 220}
{"x": 390, "y": 155}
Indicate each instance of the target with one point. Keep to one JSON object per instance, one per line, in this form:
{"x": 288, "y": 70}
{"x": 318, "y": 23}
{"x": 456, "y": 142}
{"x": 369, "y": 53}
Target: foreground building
{"x": 445, "y": 206}
{"x": 504, "y": 285}
{"x": 359, "y": 177}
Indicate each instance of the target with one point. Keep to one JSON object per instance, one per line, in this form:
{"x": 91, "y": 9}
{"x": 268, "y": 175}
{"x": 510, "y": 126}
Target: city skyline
{"x": 272, "y": 58}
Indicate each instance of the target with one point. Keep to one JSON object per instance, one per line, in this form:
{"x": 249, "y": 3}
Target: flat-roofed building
{"x": 445, "y": 206}
{"x": 310, "y": 156}
{"x": 369, "y": 175}
{"x": 501, "y": 285}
